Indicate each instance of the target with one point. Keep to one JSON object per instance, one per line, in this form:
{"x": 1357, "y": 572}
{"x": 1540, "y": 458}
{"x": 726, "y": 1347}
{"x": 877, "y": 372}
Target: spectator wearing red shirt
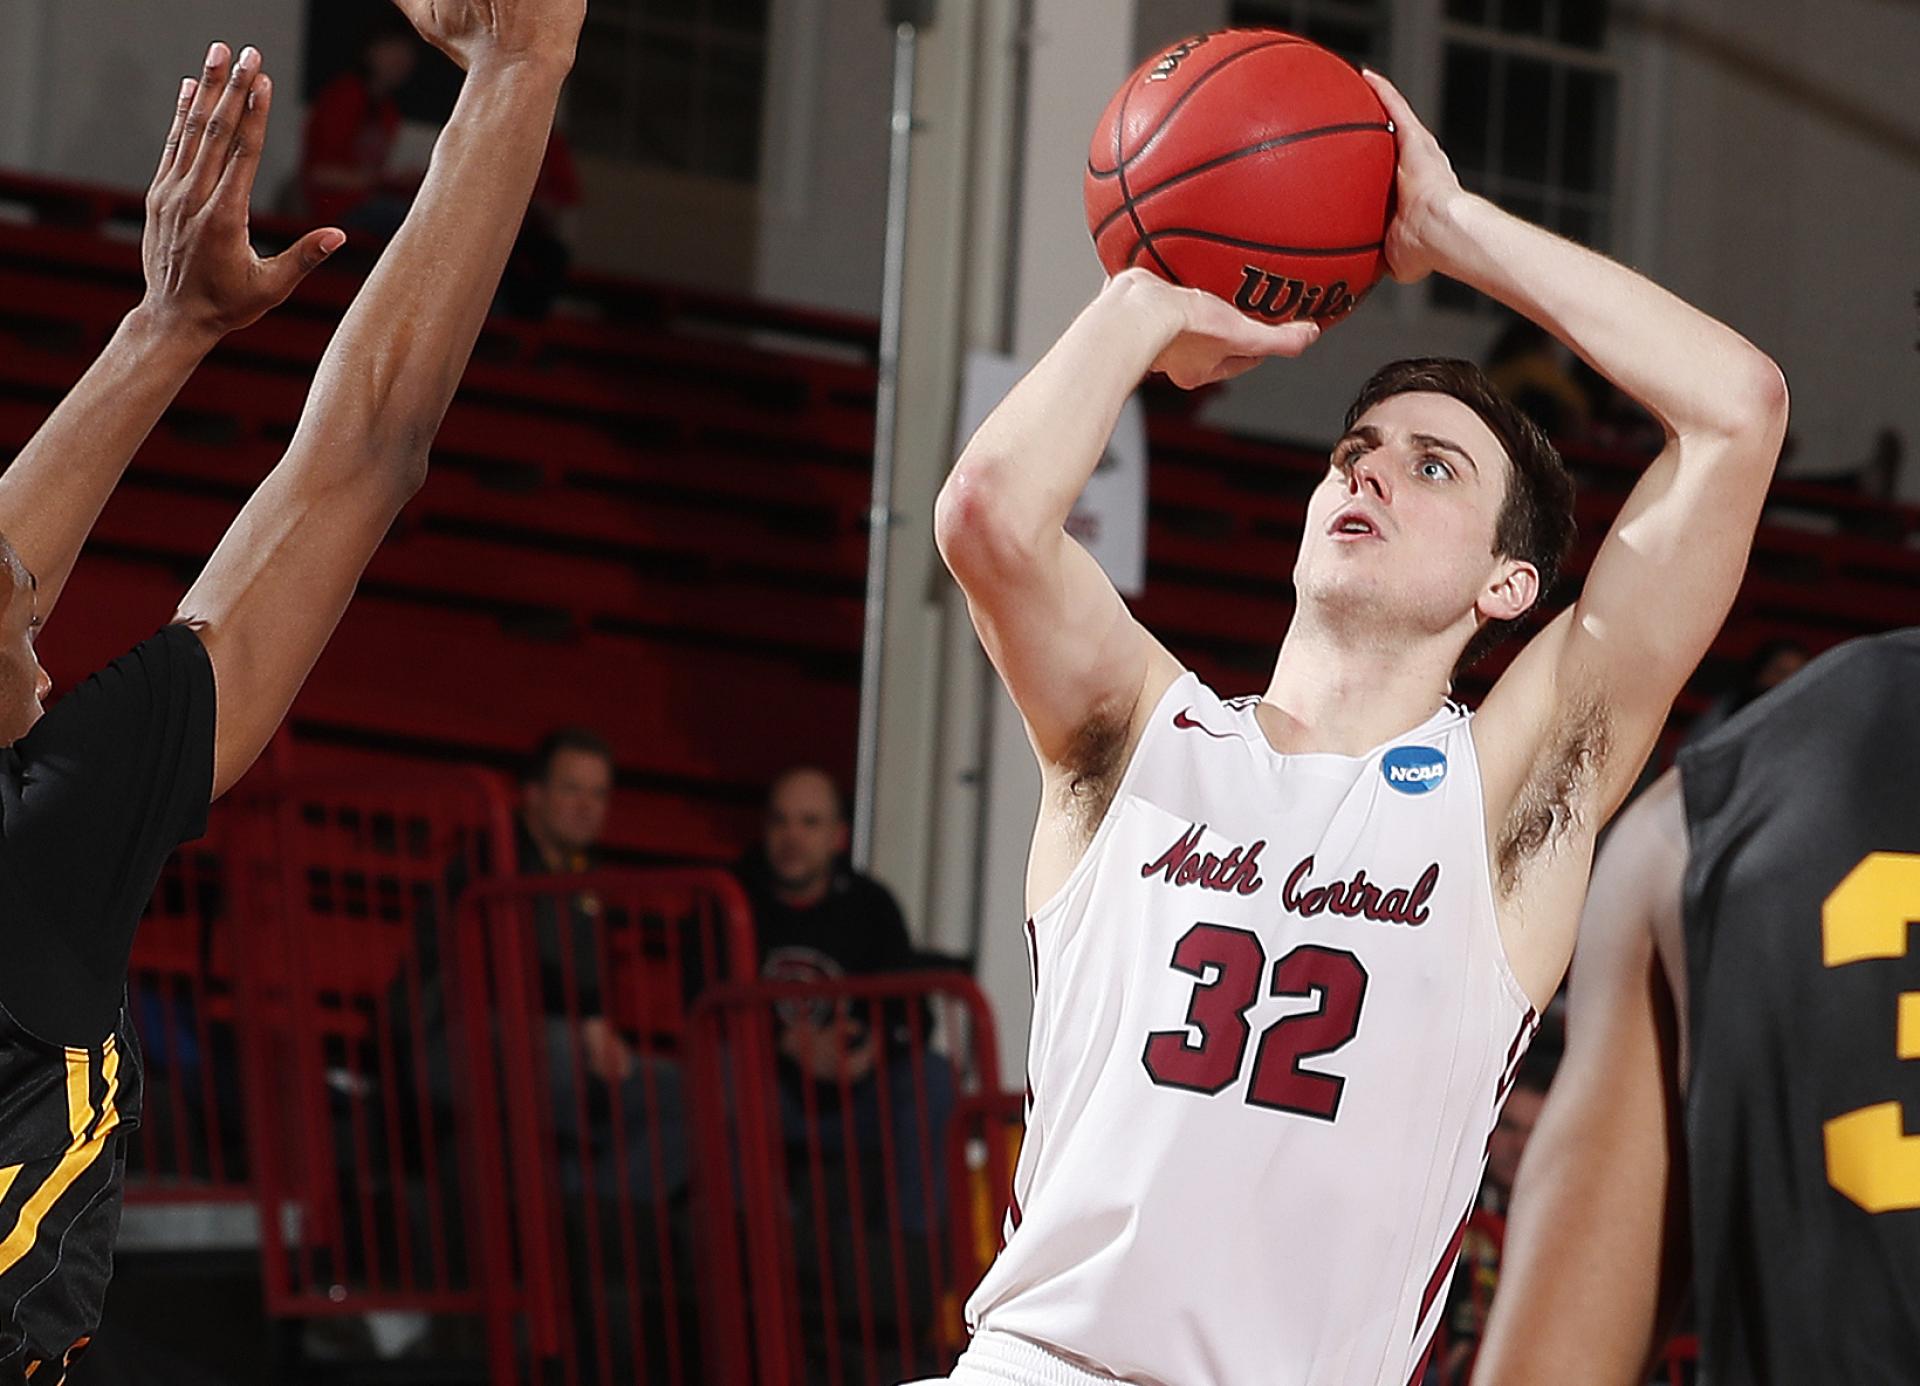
{"x": 350, "y": 134}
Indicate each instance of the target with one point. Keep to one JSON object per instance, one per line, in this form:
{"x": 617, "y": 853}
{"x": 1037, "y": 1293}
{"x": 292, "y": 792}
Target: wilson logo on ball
{"x": 1171, "y": 59}
{"x": 1279, "y": 298}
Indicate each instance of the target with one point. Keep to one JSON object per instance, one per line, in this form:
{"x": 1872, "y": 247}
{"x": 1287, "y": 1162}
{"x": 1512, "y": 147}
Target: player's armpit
{"x": 1596, "y": 1233}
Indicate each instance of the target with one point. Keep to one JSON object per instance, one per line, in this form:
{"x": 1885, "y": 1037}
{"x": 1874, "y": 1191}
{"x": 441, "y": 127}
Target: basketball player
{"x": 1288, "y": 948}
{"x": 1746, "y": 986}
{"x": 95, "y": 795}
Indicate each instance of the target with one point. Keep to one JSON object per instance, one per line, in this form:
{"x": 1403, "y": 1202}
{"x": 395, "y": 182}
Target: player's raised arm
{"x": 1668, "y": 570}
{"x": 1070, "y": 652}
{"x": 275, "y": 588}
{"x": 203, "y": 281}
{"x": 1594, "y": 1255}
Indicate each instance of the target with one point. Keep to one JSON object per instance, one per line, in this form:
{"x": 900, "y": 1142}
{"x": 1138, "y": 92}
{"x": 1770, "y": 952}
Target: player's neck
{"x": 1330, "y": 694}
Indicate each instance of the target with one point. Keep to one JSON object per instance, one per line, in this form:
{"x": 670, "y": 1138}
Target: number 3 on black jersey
{"x": 1218, "y": 1011}
{"x": 1869, "y": 1158}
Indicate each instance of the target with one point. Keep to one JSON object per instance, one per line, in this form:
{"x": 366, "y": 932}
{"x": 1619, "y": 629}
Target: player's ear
{"x": 1512, "y": 592}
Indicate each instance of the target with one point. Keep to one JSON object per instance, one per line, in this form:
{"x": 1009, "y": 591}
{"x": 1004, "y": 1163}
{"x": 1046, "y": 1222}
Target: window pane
{"x": 1586, "y": 151}
{"x": 665, "y": 79}
{"x": 1351, "y": 39}
{"x": 1523, "y": 16}
{"x": 596, "y": 93}
{"x": 746, "y": 16}
{"x": 1526, "y": 93}
{"x": 1468, "y": 11}
{"x": 731, "y": 108}
{"x": 1583, "y": 23}
{"x": 1464, "y": 106}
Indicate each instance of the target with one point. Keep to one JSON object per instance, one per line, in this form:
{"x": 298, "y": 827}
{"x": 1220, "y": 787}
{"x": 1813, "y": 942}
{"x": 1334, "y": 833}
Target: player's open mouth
{"x": 1353, "y": 524}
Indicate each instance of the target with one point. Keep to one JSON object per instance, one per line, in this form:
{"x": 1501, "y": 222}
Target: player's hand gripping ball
{"x": 1250, "y": 163}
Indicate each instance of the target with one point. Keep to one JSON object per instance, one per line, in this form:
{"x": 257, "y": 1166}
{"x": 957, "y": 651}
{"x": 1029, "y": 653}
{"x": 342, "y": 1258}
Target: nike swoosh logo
{"x": 1186, "y": 723}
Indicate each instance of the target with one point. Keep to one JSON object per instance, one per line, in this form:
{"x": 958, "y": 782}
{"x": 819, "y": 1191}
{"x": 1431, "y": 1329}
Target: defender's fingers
{"x": 213, "y": 81}
{"x": 224, "y": 122}
{"x": 234, "y": 188}
{"x": 188, "y": 86}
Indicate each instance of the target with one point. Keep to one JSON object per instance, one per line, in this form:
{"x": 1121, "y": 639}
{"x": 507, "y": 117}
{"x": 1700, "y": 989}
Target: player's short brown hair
{"x": 1535, "y": 523}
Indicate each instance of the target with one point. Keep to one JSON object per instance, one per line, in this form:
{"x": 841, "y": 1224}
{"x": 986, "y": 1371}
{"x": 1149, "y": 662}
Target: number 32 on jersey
{"x": 1206, "y": 1056}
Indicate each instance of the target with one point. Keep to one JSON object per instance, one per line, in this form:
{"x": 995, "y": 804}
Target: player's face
{"x": 571, "y": 806}
{"x": 1401, "y": 530}
{"x": 24, "y": 685}
{"x": 1510, "y": 1136}
{"x": 805, "y": 832}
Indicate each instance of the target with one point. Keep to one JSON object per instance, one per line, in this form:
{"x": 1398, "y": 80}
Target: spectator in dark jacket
{"x": 817, "y": 920}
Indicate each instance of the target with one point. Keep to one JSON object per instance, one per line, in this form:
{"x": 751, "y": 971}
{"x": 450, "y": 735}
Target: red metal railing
{"x": 180, "y": 986}
{"x": 821, "y": 1208}
{"x": 365, "y": 1167}
{"x": 578, "y": 1057}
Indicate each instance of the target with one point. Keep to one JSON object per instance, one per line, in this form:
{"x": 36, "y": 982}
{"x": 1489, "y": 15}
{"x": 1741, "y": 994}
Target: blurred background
{"x": 649, "y": 522}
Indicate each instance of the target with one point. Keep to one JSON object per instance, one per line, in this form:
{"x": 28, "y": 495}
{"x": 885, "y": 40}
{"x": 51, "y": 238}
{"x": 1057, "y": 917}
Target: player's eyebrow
{"x": 1428, "y": 440}
{"x": 1365, "y": 433}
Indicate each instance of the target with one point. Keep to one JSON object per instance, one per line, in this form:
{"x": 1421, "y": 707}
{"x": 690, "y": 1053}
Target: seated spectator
{"x": 1470, "y": 1295}
{"x": 818, "y": 919}
{"x": 1526, "y": 365}
{"x": 565, "y": 794}
{"x": 350, "y": 133}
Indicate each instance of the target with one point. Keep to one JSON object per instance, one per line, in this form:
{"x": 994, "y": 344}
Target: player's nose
{"x": 1365, "y": 476}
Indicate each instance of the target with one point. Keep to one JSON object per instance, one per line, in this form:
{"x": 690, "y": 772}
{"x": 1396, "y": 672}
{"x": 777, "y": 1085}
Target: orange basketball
{"x": 1251, "y": 163}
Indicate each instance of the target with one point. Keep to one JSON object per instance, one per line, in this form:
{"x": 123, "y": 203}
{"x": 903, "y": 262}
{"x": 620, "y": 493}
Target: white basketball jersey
{"x": 1273, "y": 1024}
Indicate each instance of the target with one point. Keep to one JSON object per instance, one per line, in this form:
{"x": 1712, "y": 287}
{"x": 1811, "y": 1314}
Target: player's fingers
{"x": 224, "y": 122}
{"x": 213, "y": 79}
{"x": 188, "y": 86}
{"x": 1259, "y": 339}
{"x": 1399, "y": 111}
{"x": 235, "y": 187}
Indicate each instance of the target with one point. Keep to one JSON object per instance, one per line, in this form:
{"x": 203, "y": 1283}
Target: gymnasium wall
{"x": 87, "y": 87}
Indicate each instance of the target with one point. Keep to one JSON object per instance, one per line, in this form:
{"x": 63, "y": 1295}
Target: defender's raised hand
{"x": 473, "y": 32}
{"x": 202, "y": 274}
{"x": 1425, "y": 186}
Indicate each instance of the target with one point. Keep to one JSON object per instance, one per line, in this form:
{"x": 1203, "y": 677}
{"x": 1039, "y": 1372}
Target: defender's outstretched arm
{"x": 203, "y": 281}
{"x": 275, "y": 588}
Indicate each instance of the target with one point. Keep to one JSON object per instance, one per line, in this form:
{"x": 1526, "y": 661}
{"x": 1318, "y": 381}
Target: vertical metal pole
{"x": 885, "y": 427}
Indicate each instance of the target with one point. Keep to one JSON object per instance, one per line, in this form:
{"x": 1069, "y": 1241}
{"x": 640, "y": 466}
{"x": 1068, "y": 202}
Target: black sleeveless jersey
{"x": 1803, "y": 1003}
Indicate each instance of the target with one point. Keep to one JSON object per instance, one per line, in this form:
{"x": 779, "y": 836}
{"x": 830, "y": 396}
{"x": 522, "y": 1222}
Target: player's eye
{"x": 1434, "y": 469}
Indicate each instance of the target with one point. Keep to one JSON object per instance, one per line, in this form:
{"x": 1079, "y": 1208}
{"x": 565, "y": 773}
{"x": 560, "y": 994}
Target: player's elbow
{"x": 1764, "y": 396}
{"x": 1753, "y": 405}
{"x": 977, "y": 525}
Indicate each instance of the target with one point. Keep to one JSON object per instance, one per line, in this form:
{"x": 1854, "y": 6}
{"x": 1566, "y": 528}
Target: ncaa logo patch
{"x": 1414, "y": 769}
